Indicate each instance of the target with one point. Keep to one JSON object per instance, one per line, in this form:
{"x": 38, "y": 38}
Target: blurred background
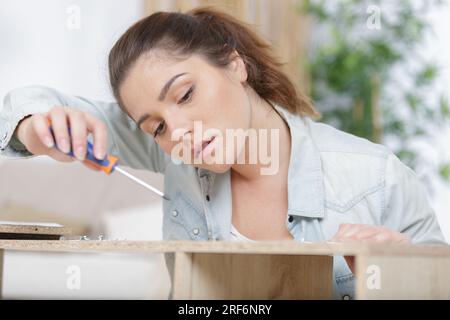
{"x": 377, "y": 69}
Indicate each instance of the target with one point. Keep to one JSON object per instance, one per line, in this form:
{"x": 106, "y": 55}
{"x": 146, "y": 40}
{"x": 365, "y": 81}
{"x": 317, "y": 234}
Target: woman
{"x": 171, "y": 72}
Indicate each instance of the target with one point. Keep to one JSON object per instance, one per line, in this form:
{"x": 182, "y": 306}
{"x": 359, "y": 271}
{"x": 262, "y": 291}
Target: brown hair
{"x": 215, "y": 35}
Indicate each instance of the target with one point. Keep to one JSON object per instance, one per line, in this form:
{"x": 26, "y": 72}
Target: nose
{"x": 179, "y": 127}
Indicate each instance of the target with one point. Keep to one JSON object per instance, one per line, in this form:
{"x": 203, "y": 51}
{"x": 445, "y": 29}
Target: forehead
{"x": 150, "y": 73}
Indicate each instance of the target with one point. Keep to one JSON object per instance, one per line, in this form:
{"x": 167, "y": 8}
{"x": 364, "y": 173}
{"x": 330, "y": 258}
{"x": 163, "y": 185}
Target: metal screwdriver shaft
{"x": 142, "y": 183}
{"x": 109, "y": 164}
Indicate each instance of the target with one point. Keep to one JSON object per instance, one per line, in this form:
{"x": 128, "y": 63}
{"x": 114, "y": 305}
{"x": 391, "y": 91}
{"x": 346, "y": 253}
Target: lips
{"x": 201, "y": 146}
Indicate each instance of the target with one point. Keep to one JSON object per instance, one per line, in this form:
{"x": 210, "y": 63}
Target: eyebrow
{"x": 166, "y": 87}
{"x": 142, "y": 119}
{"x": 161, "y": 96}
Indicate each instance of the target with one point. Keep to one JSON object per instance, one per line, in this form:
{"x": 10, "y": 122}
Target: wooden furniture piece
{"x": 280, "y": 270}
{"x": 31, "y": 231}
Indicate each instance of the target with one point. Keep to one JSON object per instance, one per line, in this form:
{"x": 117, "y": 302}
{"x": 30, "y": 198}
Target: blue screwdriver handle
{"x": 106, "y": 164}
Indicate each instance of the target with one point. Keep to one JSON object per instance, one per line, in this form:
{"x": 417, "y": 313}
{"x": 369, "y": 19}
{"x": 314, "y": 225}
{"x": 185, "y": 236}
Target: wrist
{"x": 19, "y": 133}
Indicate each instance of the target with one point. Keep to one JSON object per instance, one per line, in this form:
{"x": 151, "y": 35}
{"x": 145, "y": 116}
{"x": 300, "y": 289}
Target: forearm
{"x": 135, "y": 148}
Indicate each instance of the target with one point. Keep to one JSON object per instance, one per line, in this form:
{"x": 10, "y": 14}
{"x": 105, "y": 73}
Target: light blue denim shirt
{"x": 333, "y": 178}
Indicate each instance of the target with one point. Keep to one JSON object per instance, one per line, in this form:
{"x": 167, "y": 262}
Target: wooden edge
{"x": 182, "y": 279}
{"x": 260, "y": 247}
{"x": 409, "y": 249}
{"x": 430, "y": 251}
{"x": 360, "y": 276}
{"x": 35, "y": 229}
{"x": 2, "y": 259}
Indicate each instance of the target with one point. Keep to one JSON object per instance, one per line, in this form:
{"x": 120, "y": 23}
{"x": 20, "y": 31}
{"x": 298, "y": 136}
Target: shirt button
{"x": 175, "y": 213}
{"x": 291, "y": 218}
{"x": 346, "y": 297}
{"x": 207, "y": 197}
{"x": 196, "y": 231}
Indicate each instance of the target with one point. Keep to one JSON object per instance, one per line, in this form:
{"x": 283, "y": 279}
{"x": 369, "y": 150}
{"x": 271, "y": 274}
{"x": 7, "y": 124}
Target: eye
{"x": 188, "y": 95}
{"x": 158, "y": 129}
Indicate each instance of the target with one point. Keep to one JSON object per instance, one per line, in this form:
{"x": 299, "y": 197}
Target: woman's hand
{"x": 367, "y": 234}
{"x": 35, "y": 135}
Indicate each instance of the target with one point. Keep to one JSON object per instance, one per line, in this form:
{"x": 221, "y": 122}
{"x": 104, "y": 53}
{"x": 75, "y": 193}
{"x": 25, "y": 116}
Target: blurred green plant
{"x": 368, "y": 77}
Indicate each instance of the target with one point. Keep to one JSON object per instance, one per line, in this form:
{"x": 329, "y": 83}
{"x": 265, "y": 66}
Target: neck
{"x": 277, "y": 147}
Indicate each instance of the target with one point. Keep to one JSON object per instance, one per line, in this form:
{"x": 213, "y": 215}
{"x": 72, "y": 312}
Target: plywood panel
{"x": 280, "y": 269}
{"x": 403, "y": 277}
{"x": 182, "y": 279}
{"x": 18, "y": 228}
{"x": 250, "y": 276}
{"x": 260, "y": 247}
{"x": 2, "y": 255}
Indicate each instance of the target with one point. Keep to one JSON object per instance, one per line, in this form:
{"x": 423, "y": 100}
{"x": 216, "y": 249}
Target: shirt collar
{"x": 306, "y": 195}
{"x": 305, "y": 178}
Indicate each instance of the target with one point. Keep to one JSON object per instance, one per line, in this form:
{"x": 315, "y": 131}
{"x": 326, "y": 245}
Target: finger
{"x": 345, "y": 230}
{"x": 341, "y": 230}
{"x": 397, "y": 237}
{"x": 358, "y": 230}
{"x": 59, "y": 125}
{"x": 349, "y": 232}
{"x": 78, "y": 131}
{"x": 40, "y": 126}
{"x": 375, "y": 238}
{"x": 381, "y": 234}
{"x": 367, "y": 233}
{"x": 353, "y": 232}
{"x": 59, "y": 155}
{"x": 405, "y": 239}
{"x": 100, "y": 132}
{"x": 383, "y": 237}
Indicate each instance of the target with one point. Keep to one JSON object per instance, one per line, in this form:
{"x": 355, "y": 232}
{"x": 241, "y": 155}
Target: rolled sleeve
{"x": 12, "y": 112}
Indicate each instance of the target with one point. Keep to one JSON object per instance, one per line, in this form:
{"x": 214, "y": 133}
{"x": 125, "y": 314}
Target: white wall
{"x": 37, "y": 46}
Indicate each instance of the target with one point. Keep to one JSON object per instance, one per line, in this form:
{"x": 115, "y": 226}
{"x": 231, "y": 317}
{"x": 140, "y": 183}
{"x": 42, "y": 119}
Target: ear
{"x": 237, "y": 67}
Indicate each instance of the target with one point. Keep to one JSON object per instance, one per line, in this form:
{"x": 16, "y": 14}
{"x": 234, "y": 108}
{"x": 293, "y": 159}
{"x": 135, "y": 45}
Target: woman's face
{"x": 184, "y": 103}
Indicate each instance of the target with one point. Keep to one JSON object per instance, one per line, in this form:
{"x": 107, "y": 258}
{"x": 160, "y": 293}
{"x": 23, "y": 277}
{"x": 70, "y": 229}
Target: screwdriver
{"x": 110, "y": 164}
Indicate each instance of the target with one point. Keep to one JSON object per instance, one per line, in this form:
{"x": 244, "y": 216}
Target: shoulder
{"x": 330, "y": 139}
{"x": 352, "y": 167}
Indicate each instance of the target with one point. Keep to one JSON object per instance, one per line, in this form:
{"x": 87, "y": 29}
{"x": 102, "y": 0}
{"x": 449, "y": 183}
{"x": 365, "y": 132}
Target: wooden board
{"x": 269, "y": 247}
{"x": 259, "y": 276}
{"x": 279, "y": 269}
{"x": 35, "y": 229}
{"x": 2, "y": 254}
{"x": 27, "y": 231}
{"x": 402, "y": 276}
